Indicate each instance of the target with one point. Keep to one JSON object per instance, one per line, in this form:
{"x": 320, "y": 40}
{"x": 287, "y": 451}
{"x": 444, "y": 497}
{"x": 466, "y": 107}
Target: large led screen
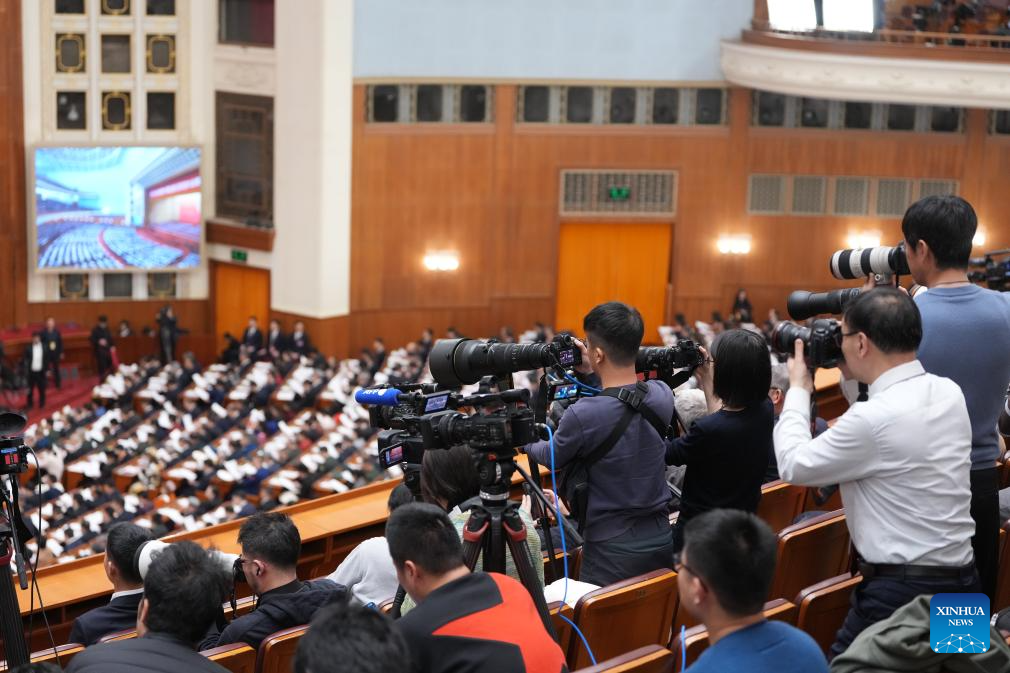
{"x": 117, "y": 208}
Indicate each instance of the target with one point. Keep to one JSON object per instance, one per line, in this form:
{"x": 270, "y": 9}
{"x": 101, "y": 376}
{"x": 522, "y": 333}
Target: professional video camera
{"x": 882, "y": 261}
{"x": 664, "y": 361}
{"x": 455, "y": 362}
{"x": 996, "y": 275}
{"x": 802, "y": 304}
{"x": 822, "y": 341}
{"x": 13, "y": 535}
{"x": 13, "y": 452}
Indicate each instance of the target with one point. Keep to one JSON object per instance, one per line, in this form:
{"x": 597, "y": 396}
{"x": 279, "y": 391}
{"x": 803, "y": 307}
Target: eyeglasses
{"x": 679, "y": 565}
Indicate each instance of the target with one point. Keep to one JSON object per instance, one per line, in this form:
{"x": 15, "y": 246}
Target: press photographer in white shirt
{"x": 902, "y": 460}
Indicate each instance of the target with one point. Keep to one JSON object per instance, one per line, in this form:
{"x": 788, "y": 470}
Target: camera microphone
{"x": 385, "y": 397}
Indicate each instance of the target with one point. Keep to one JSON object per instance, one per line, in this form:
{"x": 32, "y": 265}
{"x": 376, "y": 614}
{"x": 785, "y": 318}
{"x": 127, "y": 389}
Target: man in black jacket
{"x": 36, "y": 362}
{"x": 252, "y": 338}
{"x": 128, "y": 587}
{"x": 53, "y": 342}
{"x": 101, "y": 343}
{"x": 270, "y": 548}
{"x": 183, "y": 592}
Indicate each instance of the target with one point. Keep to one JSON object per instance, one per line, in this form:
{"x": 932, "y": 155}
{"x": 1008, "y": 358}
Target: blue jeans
{"x": 876, "y": 599}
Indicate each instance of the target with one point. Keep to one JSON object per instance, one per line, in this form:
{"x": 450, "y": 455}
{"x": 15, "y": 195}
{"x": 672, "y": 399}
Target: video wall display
{"x": 117, "y": 207}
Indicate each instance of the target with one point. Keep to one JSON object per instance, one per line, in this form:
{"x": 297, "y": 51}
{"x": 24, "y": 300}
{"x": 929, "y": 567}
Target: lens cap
{"x": 11, "y": 423}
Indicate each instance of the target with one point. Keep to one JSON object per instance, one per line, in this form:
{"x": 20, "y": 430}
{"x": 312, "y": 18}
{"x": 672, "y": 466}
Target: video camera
{"x": 13, "y": 452}
{"x": 996, "y": 275}
{"x": 455, "y": 362}
{"x": 822, "y": 341}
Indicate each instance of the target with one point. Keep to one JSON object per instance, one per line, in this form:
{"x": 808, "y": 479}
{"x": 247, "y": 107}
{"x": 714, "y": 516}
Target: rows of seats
{"x": 136, "y": 250}
{"x": 78, "y": 247}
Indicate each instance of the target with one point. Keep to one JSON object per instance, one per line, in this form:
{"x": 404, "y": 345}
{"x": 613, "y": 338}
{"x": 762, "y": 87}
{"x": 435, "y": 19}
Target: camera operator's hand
{"x": 585, "y": 367}
{"x": 799, "y": 375}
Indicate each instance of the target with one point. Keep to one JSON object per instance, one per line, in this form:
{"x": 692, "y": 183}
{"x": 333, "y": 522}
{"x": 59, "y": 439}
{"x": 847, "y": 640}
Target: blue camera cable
{"x": 564, "y": 546}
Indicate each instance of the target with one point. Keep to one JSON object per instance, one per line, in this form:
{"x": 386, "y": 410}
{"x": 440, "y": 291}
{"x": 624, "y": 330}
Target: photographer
{"x": 737, "y": 432}
{"x": 912, "y": 436}
{"x": 270, "y": 547}
{"x": 626, "y": 528}
{"x": 966, "y": 338}
{"x": 183, "y": 591}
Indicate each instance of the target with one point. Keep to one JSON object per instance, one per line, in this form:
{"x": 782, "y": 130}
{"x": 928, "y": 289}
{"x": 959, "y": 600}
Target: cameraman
{"x": 911, "y": 437}
{"x": 627, "y": 531}
{"x": 270, "y": 548}
{"x": 966, "y": 338}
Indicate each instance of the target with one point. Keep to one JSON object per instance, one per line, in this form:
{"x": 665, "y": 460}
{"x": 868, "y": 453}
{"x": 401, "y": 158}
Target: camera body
{"x": 13, "y": 452}
{"x": 686, "y": 354}
{"x": 496, "y": 431}
{"x": 822, "y": 341}
{"x": 995, "y": 274}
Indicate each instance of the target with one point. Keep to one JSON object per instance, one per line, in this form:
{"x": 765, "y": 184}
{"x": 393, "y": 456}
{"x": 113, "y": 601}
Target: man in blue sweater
{"x": 966, "y": 338}
{"x": 724, "y": 575}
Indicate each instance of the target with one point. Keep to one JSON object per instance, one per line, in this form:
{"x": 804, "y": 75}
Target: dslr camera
{"x": 995, "y": 275}
{"x": 822, "y": 341}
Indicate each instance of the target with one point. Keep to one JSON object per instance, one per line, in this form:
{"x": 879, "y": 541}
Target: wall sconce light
{"x": 863, "y": 239}
{"x": 441, "y": 261}
{"x": 734, "y": 245}
{"x": 979, "y": 238}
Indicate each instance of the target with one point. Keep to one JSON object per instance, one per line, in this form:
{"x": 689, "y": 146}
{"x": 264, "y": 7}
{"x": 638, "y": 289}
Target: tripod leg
{"x": 473, "y": 537}
{"x": 11, "y": 626}
{"x": 515, "y": 536}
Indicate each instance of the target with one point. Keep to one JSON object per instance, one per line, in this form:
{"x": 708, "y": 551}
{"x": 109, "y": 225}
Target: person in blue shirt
{"x": 724, "y": 574}
{"x": 966, "y": 338}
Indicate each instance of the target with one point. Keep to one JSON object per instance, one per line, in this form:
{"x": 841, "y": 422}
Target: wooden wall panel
{"x": 192, "y": 313}
{"x": 492, "y": 195}
{"x": 13, "y": 245}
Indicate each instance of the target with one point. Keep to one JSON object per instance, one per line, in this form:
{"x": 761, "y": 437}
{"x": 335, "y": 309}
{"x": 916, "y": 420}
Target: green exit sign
{"x": 239, "y": 255}
{"x": 619, "y": 193}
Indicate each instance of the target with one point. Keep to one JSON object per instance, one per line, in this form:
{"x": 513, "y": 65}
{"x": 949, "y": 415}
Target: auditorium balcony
{"x": 906, "y": 52}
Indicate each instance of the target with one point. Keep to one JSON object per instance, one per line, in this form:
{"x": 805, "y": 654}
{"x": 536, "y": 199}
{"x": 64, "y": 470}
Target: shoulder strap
{"x": 608, "y": 443}
{"x": 635, "y": 399}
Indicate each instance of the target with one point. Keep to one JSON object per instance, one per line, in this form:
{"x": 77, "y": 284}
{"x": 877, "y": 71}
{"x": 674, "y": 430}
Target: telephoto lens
{"x": 862, "y": 262}
{"x": 802, "y": 304}
{"x": 455, "y": 362}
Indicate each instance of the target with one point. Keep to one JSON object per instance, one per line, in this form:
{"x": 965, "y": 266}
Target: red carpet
{"x": 74, "y": 393}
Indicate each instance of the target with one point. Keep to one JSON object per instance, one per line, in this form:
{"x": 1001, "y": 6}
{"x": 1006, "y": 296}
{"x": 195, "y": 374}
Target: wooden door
{"x": 607, "y": 261}
{"x": 240, "y": 292}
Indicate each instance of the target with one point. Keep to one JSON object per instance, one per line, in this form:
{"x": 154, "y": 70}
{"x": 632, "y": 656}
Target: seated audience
{"x": 464, "y": 621}
{"x": 368, "y": 571}
{"x": 724, "y": 574}
{"x": 727, "y": 452}
{"x": 351, "y": 639}
{"x": 183, "y": 592}
{"x": 128, "y": 588}
{"x": 270, "y": 547}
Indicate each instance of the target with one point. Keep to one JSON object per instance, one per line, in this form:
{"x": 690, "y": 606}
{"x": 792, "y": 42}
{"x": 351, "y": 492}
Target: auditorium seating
{"x": 277, "y": 651}
{"x": 562, "y": 629}
{"x": 128, "y": 244}
{"x": 809, "y": 552}
{"x": 79, "y": 247}
{"x": 648, "y": 659}
{"x": 781, "y": 502}
{"x": 695, "y": 639}
{"x": 823, "y": 606}
{"x": 61, "y": 656}
{"x": 236, "y": 657}
{"x": 118, "y": 635}
{"x": 618, "y": 618}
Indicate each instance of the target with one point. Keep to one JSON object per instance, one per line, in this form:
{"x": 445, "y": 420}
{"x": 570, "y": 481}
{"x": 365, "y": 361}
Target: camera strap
{"x": 635, "y": 399}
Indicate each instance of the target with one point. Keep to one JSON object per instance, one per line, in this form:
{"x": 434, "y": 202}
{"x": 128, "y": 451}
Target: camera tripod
{"x": 11, "y": 626}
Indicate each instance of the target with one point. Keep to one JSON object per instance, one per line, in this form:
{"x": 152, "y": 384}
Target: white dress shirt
{"x": 902, "y": 459}
{"x": 37, "y": 354}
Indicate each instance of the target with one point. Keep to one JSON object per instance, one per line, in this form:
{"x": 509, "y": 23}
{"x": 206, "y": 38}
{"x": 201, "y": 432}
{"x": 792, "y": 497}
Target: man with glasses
{"x": 724, "y": 574}
{"x": 270, "y": 548}
{"x": 902, "y": 459}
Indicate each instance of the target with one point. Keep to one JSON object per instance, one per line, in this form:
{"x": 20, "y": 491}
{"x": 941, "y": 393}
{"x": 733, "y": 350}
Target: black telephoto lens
{"x": 802, "y": 304}
{"x": 456, "y": 362}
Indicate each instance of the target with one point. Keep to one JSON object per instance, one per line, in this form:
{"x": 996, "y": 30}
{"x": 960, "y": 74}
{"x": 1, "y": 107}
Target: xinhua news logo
{"x": 959, "y": 623}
